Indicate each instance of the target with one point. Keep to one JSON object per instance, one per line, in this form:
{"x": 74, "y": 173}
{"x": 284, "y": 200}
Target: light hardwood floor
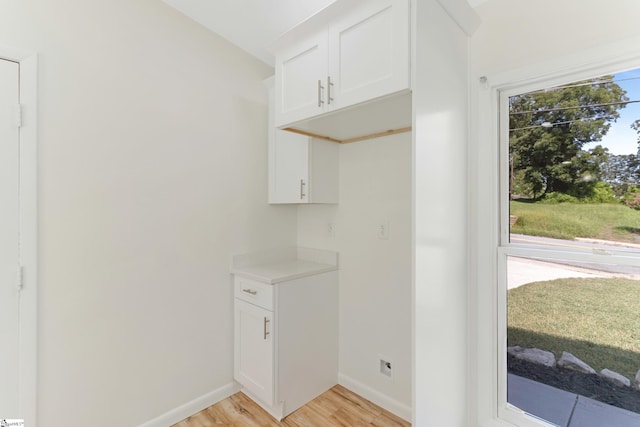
{"x": 336, "y": 407}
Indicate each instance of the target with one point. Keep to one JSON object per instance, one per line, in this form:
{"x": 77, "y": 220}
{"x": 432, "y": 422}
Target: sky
{"x": 621, "y": 139}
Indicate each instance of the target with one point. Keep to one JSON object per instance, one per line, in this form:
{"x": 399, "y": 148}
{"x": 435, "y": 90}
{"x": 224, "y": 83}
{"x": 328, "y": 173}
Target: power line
{"x": 590, "y": 83}
{"x": 550, "y": 125}
{"x": 548, "y": 110}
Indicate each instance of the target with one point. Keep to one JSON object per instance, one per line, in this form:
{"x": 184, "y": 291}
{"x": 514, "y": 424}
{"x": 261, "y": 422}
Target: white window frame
{"x": 489, "y": 235}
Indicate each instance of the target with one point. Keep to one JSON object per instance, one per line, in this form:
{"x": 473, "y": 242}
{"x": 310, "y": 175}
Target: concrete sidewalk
{"x": 563, "y": 408}
{"x": 521, "y": 271}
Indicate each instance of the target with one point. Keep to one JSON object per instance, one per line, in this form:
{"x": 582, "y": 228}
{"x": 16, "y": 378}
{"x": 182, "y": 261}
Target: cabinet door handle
{"x": 250, "y": 291}
{"x": 265, "y": 327}
{"x": 302, "y": 184}
{"x": 320, "y": 89}
{"x": 329, "y": 84}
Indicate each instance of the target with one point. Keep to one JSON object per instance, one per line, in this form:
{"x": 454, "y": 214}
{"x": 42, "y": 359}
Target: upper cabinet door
{"x": 289, "y": 168}
{"x": 369, "y": 52}
{"x": 301, "y": 74}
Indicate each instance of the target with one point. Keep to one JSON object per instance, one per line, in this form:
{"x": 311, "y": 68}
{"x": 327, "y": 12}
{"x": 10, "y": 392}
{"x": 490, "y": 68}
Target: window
{"x": 569, "y": 251}
{"x": 500, "y": 248}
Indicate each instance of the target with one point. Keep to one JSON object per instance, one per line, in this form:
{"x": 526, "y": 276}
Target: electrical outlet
{"x": 385, "y": 367}
{"x": 383, "y": 230}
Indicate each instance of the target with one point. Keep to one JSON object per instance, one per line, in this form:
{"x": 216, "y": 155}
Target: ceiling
{"x": 254, "y": 24}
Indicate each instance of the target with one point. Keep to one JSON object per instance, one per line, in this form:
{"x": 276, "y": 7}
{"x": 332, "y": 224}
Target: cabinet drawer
{"x": 260, "y": 294}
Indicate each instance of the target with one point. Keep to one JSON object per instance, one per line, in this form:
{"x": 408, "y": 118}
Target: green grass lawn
{"x": 569, "y": 220}
{"x": 596, "y": 320}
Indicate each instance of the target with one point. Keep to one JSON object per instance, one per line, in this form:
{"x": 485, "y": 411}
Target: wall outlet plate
{"x": 385, "y": 366}
{"x": 383, "y": 230}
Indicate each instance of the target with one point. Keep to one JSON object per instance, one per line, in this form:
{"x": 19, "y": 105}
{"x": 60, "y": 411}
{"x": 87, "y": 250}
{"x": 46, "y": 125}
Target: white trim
{"x": 490, "y": 394}
{"x": 462, "y": 14}
{"x": 380, "y": 399}
{"x": 276, "y": 410}
{"x": 620, "y": 56}
{"x": 28, "y": 231}
{"x": 196, "y": 405}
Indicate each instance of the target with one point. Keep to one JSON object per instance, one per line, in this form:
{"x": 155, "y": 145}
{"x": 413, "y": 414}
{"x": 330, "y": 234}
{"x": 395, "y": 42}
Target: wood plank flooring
{"x": 337, "y": 407}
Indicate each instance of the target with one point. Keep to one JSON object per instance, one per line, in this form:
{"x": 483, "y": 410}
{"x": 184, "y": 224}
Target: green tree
{"x": 548, "y": 130}
{"x": 636, "y": 126}
{"x": 621, "y": 172}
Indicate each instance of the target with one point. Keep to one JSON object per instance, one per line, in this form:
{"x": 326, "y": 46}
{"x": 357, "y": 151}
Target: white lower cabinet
{"x": 286, "y": 340}
{"x": 254, "y": 349}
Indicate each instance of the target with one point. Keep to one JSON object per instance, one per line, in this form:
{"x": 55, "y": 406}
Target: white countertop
{"x": 281, "y": 265}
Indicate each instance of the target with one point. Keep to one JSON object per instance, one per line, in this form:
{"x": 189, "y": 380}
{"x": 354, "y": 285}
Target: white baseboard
{"x": 190, "y": 408}
{"x": 382, "y": 400}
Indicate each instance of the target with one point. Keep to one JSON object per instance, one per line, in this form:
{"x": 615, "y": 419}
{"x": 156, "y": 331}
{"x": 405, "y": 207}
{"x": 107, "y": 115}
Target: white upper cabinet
{"x": 302, "y": 71}
{"x": 301, "y": 169}
{"x": 288, "y": 168}
{"x": 353, "y": 52}
{"x": 369, "y": 49}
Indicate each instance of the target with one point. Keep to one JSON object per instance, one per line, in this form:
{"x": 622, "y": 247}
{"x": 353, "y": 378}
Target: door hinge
{"x": 20, "y": 278}
{"x": 19, "y": 115}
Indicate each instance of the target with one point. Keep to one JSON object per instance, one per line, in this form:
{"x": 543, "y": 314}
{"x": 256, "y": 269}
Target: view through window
{"x": 573, "y": 252}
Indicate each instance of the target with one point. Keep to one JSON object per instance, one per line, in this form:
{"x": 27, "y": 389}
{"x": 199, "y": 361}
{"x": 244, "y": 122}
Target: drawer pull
{"x": 250, "y": 291}
{"x": 265, "y": 327}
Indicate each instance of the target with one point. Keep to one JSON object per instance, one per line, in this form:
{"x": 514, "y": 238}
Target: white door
{"x": 9, "y": 240}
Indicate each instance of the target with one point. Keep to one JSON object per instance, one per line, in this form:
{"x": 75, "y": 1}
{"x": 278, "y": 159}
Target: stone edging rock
{"x": 569, "y": 361}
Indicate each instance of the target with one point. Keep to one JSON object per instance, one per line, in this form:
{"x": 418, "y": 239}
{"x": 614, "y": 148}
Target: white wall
{"x": 152, "y": 170}
{"x": 518, "y": 33}
{"x": 523, "y": 41}
{"x": 375, "y": 275}
{"x": 440, "y": 219}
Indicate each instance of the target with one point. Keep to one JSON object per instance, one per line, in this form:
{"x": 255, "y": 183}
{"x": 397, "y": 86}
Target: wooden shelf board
{"x": 353, "y": 139}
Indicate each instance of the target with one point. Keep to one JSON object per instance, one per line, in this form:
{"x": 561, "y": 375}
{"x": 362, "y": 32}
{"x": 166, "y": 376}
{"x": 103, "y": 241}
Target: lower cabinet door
{"x": 254, "y": 350}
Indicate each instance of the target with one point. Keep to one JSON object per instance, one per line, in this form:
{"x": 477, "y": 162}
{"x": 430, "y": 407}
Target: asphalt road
{"x": 525, "y": 270}
{"x": 594, "y": 245}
